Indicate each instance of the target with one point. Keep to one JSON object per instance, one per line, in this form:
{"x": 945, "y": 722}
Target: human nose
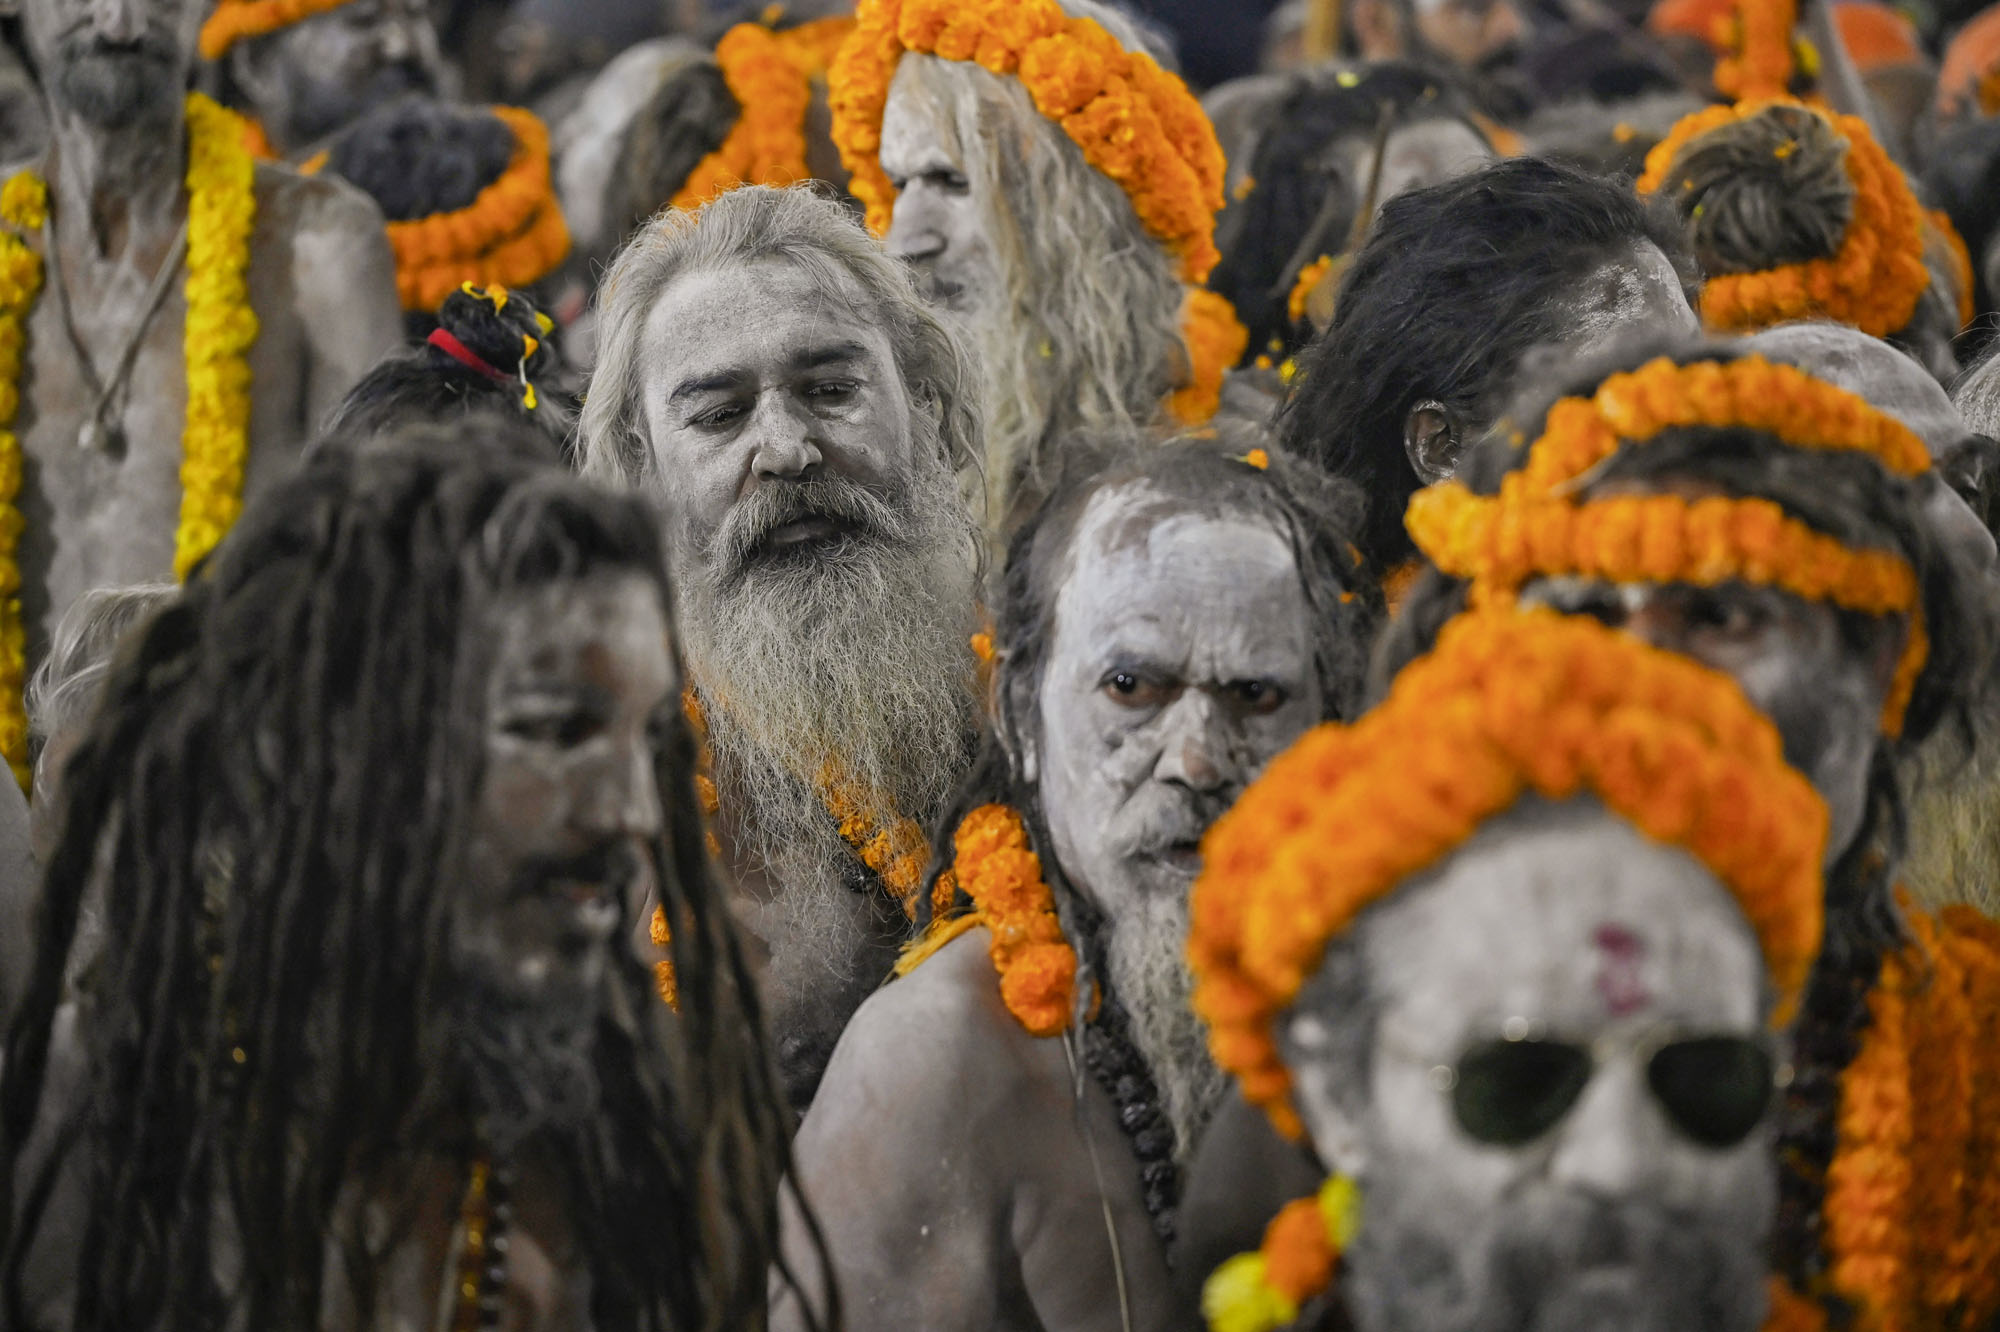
{"x": 1611, "y": 1141}
{"x": 623, "y": 796}
{"x": 1189, "y": 746}
{"x": 784, "y": 446}
{"x": 915, "y": 233}
{"x": 118, "y": 20}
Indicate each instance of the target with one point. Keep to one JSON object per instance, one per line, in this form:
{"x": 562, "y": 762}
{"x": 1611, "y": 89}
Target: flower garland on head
{"x": 1135, "y": 122}
{"x": 1002, "y": 875}
{"x": 235, "y": 20}
{"x": 1762, "y": 55}
{"x": 221, "y": 329}
{"x": 1534, "y": 528}
{"x": 24, "y": 206}
{"x": 512, "y": 234}
{"x": 1509, "y": 702}
{"x": 770, "y": 75}
{"x": 1873, "y": 281}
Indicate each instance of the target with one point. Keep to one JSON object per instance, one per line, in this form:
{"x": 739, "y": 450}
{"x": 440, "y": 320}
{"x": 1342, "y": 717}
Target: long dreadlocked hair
{"x": 273, "y": 800}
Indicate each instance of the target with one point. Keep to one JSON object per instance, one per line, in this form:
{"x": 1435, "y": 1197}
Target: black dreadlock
{"x": 270, "y": 801}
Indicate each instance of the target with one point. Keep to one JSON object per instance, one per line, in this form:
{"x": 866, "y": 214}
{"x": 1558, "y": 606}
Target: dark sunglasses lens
{"x": 1512, "y": 1092}
{"x": 1717, "y": 1088}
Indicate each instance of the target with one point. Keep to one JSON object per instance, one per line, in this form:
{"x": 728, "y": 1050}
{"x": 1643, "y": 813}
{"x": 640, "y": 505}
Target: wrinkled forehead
{"x": 767, "y": 305}
{"x": 1138, "y": 527}
{"x": 1869, "y": 368}
{"x": 54, "y": 17}
{"x": 1566, "y": 914}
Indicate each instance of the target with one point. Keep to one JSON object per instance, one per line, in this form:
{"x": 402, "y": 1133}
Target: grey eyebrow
{"x": 689, "y": 388}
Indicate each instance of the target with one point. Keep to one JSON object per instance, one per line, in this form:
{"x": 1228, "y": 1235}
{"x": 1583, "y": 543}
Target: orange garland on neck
{"x": 770, "y": 75}
{"x": 1002, "y": 875}
{"x": 511, "y": 235}
{"x": 1873, "y": 281}
{"x": 1509, "y": 702}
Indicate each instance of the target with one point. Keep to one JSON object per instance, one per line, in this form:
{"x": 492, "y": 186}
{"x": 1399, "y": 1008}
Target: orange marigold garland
{"x": 1508, "y": 702}
{"x": 1867, "y": 1211}
{"x": 1309, "y": 279}
{"x": 235, "y": 20}
{"x": 1761, "y": 58}
{"x": 1262, "y": 1291}
{"x": 770, "y": 75}
{"x": 1960, "y": 260}
{"x": 1215, "y": 341}
{"x": 895, "y": 849}
{"x": 1873, "y": 281}
{"x": 512, "y": 234}
{"x": 1002, "y": 875}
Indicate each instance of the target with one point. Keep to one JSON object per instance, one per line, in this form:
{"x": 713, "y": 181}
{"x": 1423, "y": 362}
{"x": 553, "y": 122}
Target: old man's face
{"x": 581, "y": 687}
{"x": 942, "y": 225}
{"x": 780, "y": 423}
{"x": 114, "y": 63}
{"x": 327, "y": 71}
{"x": 1561, "y": 1121}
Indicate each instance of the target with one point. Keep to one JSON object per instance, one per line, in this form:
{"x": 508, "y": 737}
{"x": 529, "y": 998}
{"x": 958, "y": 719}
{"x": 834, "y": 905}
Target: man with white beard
{"x": 998, "y": 1139}
{"x": 770, "y": 372}
{"x": 1055, "y": 190}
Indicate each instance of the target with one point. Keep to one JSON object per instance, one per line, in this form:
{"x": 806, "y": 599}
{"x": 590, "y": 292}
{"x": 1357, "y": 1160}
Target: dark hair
{"x": 425, "y": 383}
{"x": 418, "y": 156}
{"x": 274, "y": 794}
{"x": 1964, "y": 178}
{"x": 1315, "y": 514}
{"x": 687, "y": 118}
{"x": 1299, "y": 188}
{"x": 1455, "y": 284}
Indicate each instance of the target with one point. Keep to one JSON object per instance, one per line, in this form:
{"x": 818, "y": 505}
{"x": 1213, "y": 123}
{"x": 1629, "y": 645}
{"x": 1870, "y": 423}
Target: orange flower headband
{"x": 1534, "y": 528}
{"x": 512, "y": 234}
{"x": 770, "y": 75}
{"x": 236, "y": 20}
{"x": 1875, "y": 279}
{"x": 1509, "y": 703}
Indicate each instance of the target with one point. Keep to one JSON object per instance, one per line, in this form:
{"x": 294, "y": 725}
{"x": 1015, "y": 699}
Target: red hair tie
{"x": 464, "y": 355}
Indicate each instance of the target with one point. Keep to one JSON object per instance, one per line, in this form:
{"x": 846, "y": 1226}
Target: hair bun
{"x": 501, "y": 327}
{"x": 417, "y": 156}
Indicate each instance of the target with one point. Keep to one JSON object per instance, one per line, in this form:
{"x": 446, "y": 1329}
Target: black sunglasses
{"x": 1715, "y": 1089}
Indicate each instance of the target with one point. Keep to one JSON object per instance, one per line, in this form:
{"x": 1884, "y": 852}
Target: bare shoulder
{"x": 293, "y": 203}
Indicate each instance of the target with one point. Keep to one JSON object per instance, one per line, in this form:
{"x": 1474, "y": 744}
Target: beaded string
{"x": 481, "y": 1280}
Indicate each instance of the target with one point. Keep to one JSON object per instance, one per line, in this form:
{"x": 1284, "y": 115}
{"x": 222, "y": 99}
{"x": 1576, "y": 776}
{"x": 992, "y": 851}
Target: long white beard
{"x": 1146, "y": 959}
{"x": 857, "y": 666}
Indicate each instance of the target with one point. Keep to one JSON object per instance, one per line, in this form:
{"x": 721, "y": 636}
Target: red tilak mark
{"x": 1619, "y": 978}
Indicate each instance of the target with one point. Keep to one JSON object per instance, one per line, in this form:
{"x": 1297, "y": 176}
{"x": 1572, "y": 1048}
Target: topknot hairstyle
{"x": 418, "y": 156}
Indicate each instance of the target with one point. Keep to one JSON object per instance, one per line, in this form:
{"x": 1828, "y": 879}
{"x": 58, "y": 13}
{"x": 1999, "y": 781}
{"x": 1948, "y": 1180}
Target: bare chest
{"x": 103, "y": 405}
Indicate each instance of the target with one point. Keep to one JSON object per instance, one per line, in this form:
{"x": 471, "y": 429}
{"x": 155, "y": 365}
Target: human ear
{"x": 1431, "y": 439}
{"x": 1328, "y": 1108}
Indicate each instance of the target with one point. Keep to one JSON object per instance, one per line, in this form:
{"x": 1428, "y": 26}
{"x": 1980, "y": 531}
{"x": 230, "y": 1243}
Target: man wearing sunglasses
{"x": 1512, "y": 953}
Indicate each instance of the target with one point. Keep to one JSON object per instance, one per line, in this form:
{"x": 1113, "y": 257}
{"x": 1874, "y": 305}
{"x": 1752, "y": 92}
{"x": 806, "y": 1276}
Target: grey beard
{"x": 1146, "y": 962}
{"x": 116, "y": 91}
{"x": 1424, "y": 1263}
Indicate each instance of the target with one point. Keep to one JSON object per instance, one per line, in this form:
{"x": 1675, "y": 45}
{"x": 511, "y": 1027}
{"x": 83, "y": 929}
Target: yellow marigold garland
{"x": 1134, "y": 121}
{"x": 235, "y": 20}
{"x": 512, "y": 234}
{"x": 1215, "y": 341}
{"x": 770, "y": 75}
{"x": 1508, "y": 702}
{"x": 221, "y": 328}
{"x": 1261, "y": 1291}
{"x": 1875, "y": 279}
{"x": 23, "y": 206}
{"x": 1002, "y": 875}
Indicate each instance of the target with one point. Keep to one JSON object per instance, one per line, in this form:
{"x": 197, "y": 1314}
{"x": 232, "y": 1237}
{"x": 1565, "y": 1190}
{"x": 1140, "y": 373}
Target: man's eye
{"x": 563, "y": 729}
{"x": 1134, "y": 690}
{"x": 951, "y": 182}
{"x": 1258, "y": 696}
{"x": 1718, "y": 613}
{"x": 832, "y": 390}
{"x": 719, "y": 416}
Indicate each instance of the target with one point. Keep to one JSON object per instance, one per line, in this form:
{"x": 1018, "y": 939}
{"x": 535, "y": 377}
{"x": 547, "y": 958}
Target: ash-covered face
{"x": 1556, "y": 1099}
{"x": 114, "y": 64}
{"x": 1427, "y": 153}
{"x": 779, "y": 421}
{"x": 581, "y": 685}
{"x": 1181, "y": 662}
{"x": 1823, "y": 685}
{"x": 942, "y": 226}
{"x": 1473, "y": 34}
{"x": 313, "y": 78}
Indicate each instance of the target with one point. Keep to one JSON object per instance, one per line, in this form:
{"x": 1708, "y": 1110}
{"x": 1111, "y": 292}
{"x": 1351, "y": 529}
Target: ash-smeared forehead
{"x": 1869, "y": 368}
